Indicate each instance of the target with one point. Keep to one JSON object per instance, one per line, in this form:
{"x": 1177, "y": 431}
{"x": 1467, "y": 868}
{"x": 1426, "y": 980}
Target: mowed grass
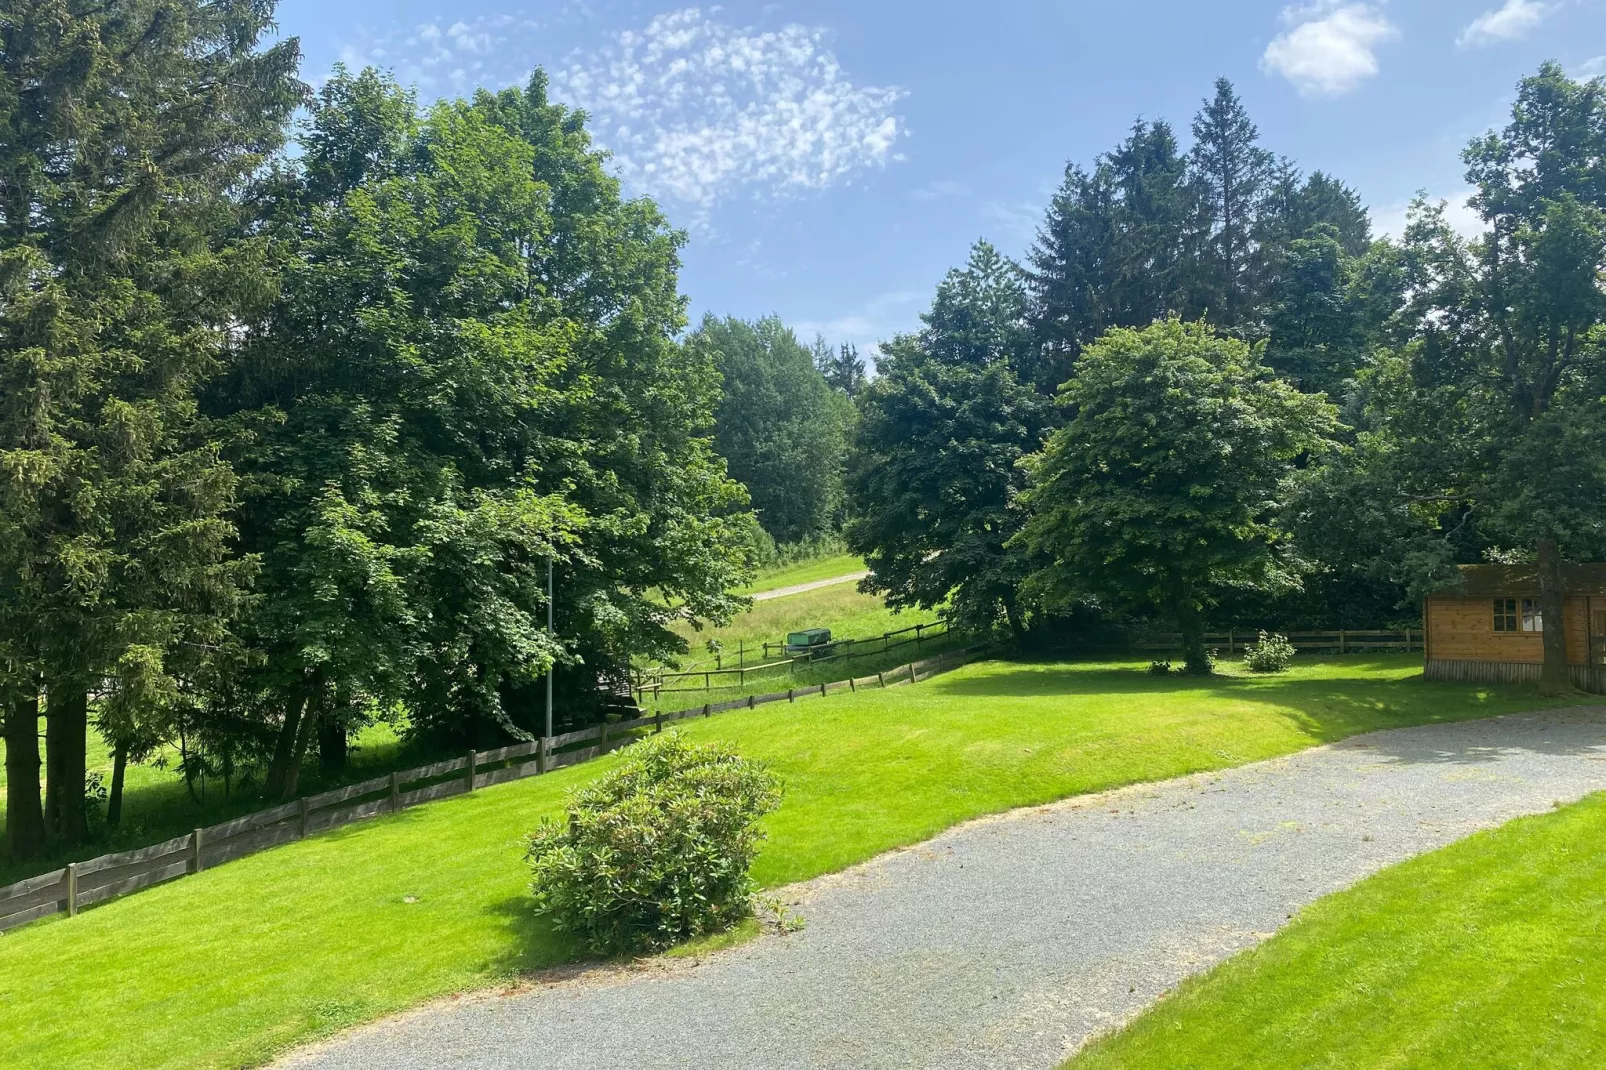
{"x": 819, "y": 568}
{"x": 842, "y": 608}
{"x": 1486, "y": 953}
{"x": 236, "y": 964}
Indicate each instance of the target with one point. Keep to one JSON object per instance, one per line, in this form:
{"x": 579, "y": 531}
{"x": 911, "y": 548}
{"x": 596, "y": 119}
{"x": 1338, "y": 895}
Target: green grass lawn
{"x": 236, "y": 964}
{"x": 842, "y": 608}
{"x": 819, "y": 568}
{"x": 1486, "y": 953}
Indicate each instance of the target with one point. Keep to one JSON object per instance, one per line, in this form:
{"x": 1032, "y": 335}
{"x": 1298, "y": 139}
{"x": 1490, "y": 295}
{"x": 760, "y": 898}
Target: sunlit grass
{"x": 238, "y": 963}
{"x": 819, "y": 568}
{"x": 1483, "y": 954}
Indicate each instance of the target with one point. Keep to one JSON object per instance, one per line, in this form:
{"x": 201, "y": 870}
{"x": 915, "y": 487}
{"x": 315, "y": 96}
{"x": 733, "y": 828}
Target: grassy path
{"x": 1483, "y": 954}
{"x": 234, "y": 965}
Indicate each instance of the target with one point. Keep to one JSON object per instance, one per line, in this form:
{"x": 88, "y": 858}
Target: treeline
{"x": 289, "y": 440}
{"x": 1211, "y": 394}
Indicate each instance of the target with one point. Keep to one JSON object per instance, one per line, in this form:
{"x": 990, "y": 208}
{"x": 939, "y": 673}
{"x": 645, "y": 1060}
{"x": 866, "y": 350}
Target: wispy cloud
{"x": 1594, "y": 67}
{"x": 1328, "y": 49}
{"x": 1511, "y": 22}
{"x": 696, "y": 110}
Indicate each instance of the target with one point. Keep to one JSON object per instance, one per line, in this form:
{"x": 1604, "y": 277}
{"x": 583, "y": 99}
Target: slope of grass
{"x": 238, "y": 963}
{"x": 819, "y": 568}
{"x": 842, "y": 608}
{"x": 1483, "y": 954}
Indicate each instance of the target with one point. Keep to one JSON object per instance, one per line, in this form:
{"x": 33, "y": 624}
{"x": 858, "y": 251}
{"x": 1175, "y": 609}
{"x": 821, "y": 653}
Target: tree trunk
{"x": 25, "y": 818}
{"x": 1554, "y": 679}
{"x": 114, "y": 801}
{"x": 1012, "y": 616}
{"x": 292, "y": 774}
{"x": 284, "y": 748}
{"x": 66, "y": 737}
{"x": 1196, "y": 659}
{"x": 331, "y": 746}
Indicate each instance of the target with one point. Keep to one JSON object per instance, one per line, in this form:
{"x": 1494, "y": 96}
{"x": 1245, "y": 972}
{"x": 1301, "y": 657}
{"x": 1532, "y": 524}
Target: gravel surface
{"x": 1009, "y": 941}
{"x": 813, "y": 585}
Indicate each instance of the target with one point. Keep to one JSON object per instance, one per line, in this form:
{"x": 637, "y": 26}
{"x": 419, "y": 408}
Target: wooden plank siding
{"x": 1462, "y": 644}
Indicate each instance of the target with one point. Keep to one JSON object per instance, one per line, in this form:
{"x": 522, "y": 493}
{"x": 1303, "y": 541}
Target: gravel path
{"x": 814, "y": 585}
{"x": 1007, "y": 942}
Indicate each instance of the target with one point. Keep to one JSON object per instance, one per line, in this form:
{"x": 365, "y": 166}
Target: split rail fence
{"x": 663, "y": 683}
{"x": 81, "y": 884}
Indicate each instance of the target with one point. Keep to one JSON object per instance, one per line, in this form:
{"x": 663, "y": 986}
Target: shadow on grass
{"x": 1331, "y": 699}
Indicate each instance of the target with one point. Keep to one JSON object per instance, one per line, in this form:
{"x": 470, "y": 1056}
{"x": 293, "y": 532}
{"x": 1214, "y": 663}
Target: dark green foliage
{"x": 656, "y": 851}
{"x": 1161, "y": 488}
{"x": 124, "y": 267}
{"x": 778, "y": 424}
{"x": 933, "y": 478}
{"x": 1484, "y": 423}
{"x": 446, "y": 397}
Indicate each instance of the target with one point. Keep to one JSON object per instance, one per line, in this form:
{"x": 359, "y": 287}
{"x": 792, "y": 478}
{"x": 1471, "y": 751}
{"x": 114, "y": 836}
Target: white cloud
{"x": 695, "y": 110}
{"x": 1328, "y": 49}
{"x": 1461, "y": 216}
{"x": 1594, "y": 67}
{"x": 1508, "y": 23}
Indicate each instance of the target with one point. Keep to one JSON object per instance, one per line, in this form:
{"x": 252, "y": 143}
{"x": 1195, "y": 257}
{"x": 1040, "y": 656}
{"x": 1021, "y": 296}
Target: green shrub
{"x": 1159, "y": 668}
{"x": 1271, "y": 654}
{"x": 657, "y": 851}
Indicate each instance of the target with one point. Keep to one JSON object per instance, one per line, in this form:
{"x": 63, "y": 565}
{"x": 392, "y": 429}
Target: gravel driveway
{"x": 1007, "y": 942}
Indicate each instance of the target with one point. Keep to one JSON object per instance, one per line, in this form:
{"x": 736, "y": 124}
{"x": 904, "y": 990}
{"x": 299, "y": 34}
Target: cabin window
{"x": 1505, "y": 614}
{"x": 1532, "y": 619}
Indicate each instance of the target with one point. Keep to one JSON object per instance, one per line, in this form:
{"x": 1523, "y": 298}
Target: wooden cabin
{"x": 1490, "y": 628}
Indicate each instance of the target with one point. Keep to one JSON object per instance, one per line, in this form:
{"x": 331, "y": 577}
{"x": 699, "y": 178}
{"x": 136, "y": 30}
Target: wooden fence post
{"x": 306, "y": 816}
{"x": 471, "y": 761}
{"x": 851, "y": 686}
{"x": 72, "y": 889}
{"x": 604, "y": 739}
{"x": 752, "y": 701}
{"x": 1342, "y": 644}
{"x": 708, "y": 709}
{"x": 790, "y": 697}
{"x": 881, "y": 678}
{"x": 658, "y": 721}
{"x": 395, "y": 790}
{"x": 543, "y": 760}
{"x": 822, "y": 689}
{"x": 195, "y": 851}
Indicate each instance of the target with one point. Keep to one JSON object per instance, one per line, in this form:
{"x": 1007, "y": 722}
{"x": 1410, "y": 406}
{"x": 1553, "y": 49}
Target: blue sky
{"x": 831, "y": 160}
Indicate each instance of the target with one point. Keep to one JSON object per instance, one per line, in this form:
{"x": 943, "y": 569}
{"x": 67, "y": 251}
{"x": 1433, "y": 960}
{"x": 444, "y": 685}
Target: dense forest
{"x": 304, "y": 395}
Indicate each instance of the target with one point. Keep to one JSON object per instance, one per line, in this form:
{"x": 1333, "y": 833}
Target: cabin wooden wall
{"x": 1462, "y": 629}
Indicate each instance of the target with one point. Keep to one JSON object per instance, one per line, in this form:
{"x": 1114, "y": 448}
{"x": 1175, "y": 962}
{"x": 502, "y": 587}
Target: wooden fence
{"x": 1334, "y": 640}
{"x": 661, "y": 683}
{"x": 83, "y": 883}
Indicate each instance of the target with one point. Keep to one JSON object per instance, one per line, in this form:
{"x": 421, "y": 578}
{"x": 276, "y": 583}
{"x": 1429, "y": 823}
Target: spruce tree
{"x": 1229, "y": 174}
{"x": 126, "y": 126}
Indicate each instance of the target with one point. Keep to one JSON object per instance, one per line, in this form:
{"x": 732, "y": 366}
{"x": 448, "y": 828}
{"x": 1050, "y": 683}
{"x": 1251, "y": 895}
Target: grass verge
{"x": 819, "y": 568}
{"x": 237, "y": 964}
{"x": 1485, "y": 953}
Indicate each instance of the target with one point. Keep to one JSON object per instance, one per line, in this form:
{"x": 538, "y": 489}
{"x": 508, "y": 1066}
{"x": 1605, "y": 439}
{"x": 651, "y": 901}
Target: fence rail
{"x": 1341, "y": 640}
{"x": 80, "y": 884}
{"x": 662, "y": 683}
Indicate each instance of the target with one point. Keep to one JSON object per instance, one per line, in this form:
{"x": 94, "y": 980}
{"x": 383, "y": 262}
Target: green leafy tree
{"x": 779, "y": 424}
{"x": 125, "y": 265}
{"x": 933, "y": 479}
{"x": 1489, "y": 412}
{"x": 1160, "y": 489}
{"x": 470, "y": 372}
